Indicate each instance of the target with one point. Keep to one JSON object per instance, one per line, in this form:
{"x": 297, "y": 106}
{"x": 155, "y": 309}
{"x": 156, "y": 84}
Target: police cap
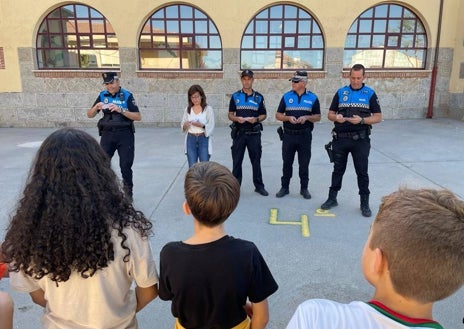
{"x": 109, "y": 77}
{"x": 299, "y": 76}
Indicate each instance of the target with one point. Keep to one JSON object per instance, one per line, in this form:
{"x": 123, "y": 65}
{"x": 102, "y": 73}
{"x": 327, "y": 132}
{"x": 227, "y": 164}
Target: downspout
{"x": 433, "y": 81}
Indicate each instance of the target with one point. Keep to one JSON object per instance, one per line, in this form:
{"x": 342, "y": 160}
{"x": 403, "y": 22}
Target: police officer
{"x": 116, "y": 127}
{"x": 298, "y": 109}
{"x": 247, "y": 111}
{"x": 354, "y": 109}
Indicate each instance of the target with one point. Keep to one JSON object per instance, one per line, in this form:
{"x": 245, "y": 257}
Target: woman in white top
{"x": 198, "y": 124}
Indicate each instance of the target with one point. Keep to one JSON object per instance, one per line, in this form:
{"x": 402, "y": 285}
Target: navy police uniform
{"x": 350, "y": 138}
{"x": 117, "y": 131}
{"x": 297, "y": 137}
{"x": 247, "y": 135}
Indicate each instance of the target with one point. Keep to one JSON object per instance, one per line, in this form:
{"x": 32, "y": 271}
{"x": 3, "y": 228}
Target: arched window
{"x": 386, "y": 36}
{"x": 180, "y": 37}
{"x": 76, "y": 37}
{"x": 282, "y": 37}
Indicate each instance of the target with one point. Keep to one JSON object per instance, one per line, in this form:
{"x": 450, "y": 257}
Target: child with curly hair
{"x": 75, "y": 242}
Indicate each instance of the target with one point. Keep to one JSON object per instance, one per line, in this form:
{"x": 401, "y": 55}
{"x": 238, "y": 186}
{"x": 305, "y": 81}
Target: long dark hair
{"x": 196, "y": 89}
{"x": 70, "y": 205}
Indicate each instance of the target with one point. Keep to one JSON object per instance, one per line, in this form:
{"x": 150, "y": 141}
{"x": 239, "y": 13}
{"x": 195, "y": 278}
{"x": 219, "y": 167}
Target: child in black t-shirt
{"x": 209, "y": 276}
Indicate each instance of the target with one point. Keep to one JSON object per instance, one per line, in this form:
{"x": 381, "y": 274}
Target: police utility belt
{"x": 256, "y": 129}
{"x": 115, "y": 126}
{"x": 235, "y": 130}
{"x": 354, "y": 135}
{"x": 296, "y": 131}
{"x": 110, "y": 128}
{"x": 105, "y": 125}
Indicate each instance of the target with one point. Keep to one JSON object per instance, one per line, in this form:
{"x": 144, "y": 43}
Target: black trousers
{"x": 359, "y": 150}
{"x": 252, "y": 142}
{"x": 300, "y": 144}
{"x": 123, "y": 142}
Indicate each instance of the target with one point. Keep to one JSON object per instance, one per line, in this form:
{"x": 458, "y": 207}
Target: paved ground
{"x": 416, "y": 153}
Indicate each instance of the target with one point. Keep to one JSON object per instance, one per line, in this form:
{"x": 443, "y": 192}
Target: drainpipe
{"x": 433, "y": 81}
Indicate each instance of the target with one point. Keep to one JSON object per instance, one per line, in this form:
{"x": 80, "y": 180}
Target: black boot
{"x": 365, "y": 210}
{"x": 282, "y": 192}
{"x": 331, "y": 201}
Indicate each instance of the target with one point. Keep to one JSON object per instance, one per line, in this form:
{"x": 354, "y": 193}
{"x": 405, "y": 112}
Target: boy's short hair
{"x": 211, "y": 192}
{"x": 421, "y": 233}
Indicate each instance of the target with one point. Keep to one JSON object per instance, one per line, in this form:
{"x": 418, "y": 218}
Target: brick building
{"x": 52, "y": 54}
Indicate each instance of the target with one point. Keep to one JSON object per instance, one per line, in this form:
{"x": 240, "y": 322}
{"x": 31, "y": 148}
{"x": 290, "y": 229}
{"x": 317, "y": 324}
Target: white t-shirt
{"x": 327, "y": 314}
{"x": 200, "y": 117}
{"x": 103, "y": 301}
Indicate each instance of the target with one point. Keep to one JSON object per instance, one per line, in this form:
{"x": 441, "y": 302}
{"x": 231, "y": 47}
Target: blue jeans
{"x": 197, "y": 149}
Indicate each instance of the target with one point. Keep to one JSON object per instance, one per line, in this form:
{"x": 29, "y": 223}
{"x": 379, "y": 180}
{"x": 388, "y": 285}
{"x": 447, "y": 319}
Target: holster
{"x": 100, "y": 127}
{"x": 233, "y": 130}
{"x": 280, "y": 132}
{"x": 329, "y": 149}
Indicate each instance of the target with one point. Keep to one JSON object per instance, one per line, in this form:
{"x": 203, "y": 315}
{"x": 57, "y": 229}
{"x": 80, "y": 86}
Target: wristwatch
{"x": 123, "y": 109}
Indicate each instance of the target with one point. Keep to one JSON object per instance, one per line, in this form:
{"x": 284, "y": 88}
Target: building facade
{"x": 52, "y": 54}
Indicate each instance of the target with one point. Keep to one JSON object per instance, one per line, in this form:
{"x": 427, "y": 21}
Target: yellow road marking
{"x": 304, "y": 222}
{"x": 323, "y": 213}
